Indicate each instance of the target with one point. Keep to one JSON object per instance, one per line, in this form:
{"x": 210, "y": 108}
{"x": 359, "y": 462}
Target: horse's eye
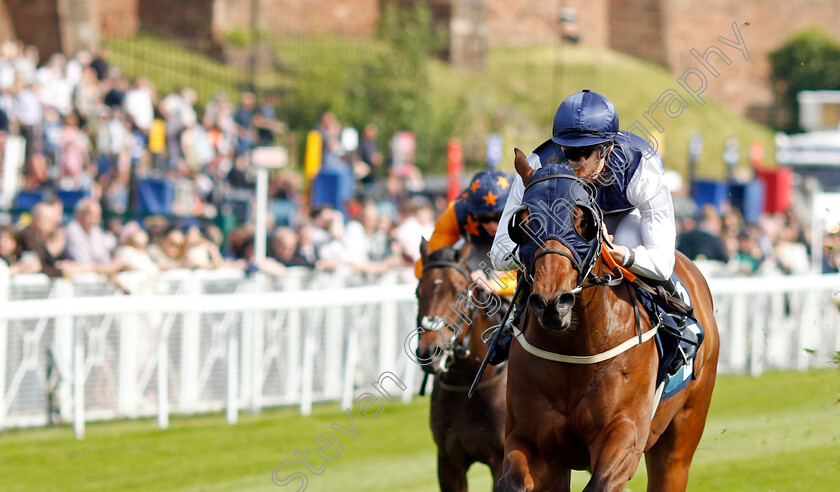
{"x": 516, "y": 230}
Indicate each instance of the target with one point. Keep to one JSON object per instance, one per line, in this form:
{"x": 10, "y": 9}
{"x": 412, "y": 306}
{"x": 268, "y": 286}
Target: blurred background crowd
{"x": 92, "y": 147}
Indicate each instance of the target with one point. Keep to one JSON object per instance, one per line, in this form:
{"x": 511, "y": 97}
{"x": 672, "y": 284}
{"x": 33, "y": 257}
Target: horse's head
{"x": 557, "y": 230}
{"x": 443, "y": 297}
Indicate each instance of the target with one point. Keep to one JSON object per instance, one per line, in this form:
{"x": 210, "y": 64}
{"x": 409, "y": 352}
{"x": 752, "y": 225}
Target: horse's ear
{"x": 520, "y": 162}
{"x": 424, "y": 249}
{"x": 464, "y": 253}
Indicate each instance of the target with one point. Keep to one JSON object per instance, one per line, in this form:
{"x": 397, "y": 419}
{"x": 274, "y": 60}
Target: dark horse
{"x": 593, "y": 407}
{"x": 452, "y": 316}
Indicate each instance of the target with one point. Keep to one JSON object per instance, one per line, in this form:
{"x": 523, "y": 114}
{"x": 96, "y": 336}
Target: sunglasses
{"x": 575, "y": 153}
{"x": 487, "y": 218}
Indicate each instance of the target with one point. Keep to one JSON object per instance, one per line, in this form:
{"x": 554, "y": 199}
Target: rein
{"x": 457, "y": 388}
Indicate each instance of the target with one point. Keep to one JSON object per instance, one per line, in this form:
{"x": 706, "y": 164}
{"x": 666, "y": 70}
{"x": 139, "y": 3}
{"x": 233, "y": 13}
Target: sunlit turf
{"x": 780, "y": 432}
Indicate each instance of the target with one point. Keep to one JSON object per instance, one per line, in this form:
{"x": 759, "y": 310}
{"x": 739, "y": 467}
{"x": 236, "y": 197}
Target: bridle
{"x": 586, "y": 278}
{"x": 451, "y": 349}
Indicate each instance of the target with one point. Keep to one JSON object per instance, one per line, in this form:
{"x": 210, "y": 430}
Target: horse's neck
{"x": 600, "y": 306}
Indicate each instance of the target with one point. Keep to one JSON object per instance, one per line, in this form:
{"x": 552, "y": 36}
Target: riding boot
{"x": 688, "y": 340}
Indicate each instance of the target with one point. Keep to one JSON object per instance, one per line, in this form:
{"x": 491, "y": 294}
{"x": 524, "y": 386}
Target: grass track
{"x": 780, "y": 432}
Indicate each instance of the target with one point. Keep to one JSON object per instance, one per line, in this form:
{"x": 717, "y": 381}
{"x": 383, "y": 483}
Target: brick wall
{"x": 349, "y": 17}
{"x": 637, "y": 27}
{"x": 764, "y": 26}
{"x": 118, "y": 17}
{"x": 36, "y": 22}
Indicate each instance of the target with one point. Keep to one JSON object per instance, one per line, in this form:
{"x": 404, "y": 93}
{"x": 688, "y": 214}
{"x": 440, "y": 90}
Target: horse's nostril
{"x": 537, "y": 303}
{"x": 564, "y": 301}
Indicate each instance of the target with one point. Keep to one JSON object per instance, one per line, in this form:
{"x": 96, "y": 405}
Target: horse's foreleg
{"x": 617, "y": 458}
{"x": 517, "y": 473}
{"x": 564, "y": 483}
{"x": 452, "y": 474}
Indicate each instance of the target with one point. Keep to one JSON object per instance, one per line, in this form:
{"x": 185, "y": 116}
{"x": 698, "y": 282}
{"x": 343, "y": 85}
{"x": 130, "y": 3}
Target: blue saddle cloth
{"x": 670, "y": 342}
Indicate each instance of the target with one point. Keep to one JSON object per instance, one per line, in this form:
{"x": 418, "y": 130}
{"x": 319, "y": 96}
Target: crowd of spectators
{"x": 776, "y": 244}
{"x": 87, "y": 128}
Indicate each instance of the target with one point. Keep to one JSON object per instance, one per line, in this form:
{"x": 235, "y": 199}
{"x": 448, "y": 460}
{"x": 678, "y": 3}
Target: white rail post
{"x": 232, "y": 412}
{"x": 757, "y": 334}
{"x": 163, "y": 374}
{"x": 307, "y": 372}
{"x": 254, "y": 333}
{"x": 388, "y": 336}
{"x": 190, "y": 363}
{"x": 4, "y": 333}
{"x": 348, "y": 389}
{"x": 79, "y": 384}
{"x": 65, "y": 343}
{"x": 411, "y": 365}
{"x": 127, "y": 396}
{"x": 333, "y": 345}
{"x": 738, "y": 334}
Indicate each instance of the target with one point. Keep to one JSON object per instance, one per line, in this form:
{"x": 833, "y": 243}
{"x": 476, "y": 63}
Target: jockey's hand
{"x": 616, "y": 251}
{"x": 480, "y": 279}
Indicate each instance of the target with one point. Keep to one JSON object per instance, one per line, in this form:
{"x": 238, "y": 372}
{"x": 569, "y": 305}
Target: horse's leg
{"x": 517, "y": 473}
{"x": 564, "y": 483}
{"x": 668, "y": 460}
{"x": 496, "y": 468}
{"x": 452, "y": 474}
{"x": 618, "y": 457}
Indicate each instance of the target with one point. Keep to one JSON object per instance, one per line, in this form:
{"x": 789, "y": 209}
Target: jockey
{"x": 628, "y": 176}
{"x": 474, "y": 217}
{"x": 629, "y": 182}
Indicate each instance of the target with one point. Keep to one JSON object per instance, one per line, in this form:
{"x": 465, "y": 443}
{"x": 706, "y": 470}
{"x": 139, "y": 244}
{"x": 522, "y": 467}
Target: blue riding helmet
{"x": 487, "y": 193}
{"x": 584, "y": 119}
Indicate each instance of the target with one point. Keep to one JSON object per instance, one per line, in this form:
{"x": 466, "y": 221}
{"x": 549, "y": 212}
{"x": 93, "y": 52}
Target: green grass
{"x": 780, "y": 432}
{"x": 516, "y": 95}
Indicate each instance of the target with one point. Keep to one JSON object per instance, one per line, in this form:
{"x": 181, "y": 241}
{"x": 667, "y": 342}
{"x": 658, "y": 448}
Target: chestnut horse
{"x": 452, "y": 315}
{"x": 581, "y": 382}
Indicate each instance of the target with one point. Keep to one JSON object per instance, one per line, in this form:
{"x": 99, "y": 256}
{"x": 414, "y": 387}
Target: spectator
{"x": 266, "y": 123}
{"x": 283, "y": 248}
{"x": 74, "y": 157}
{"x": 749, "y": 255}
{"x": 138, "y": 104}
{"x": 10, "y": 263}
{"x": 306, "y": 246}
{"x": 100, "y": 64}
{"x": 420, "y": 224}
{"x": 131, "y": 254}
{"x": 367, "y": 246}
{"x": 334, "y": 183}
{"x": 38, "y": 236}
{"x": 791, "y": 253}
{"x": 201, "y": 253}
{"x": 369, "y": 154}
{"x": 244, "y": 119}
{"x": 704, "y": 242}
{"x": 169, "y": 253}
{"x": 87, "y": 243}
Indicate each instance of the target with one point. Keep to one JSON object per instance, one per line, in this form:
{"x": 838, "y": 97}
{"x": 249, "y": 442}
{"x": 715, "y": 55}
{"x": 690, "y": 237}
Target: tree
{"x": 810, "y": 60}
